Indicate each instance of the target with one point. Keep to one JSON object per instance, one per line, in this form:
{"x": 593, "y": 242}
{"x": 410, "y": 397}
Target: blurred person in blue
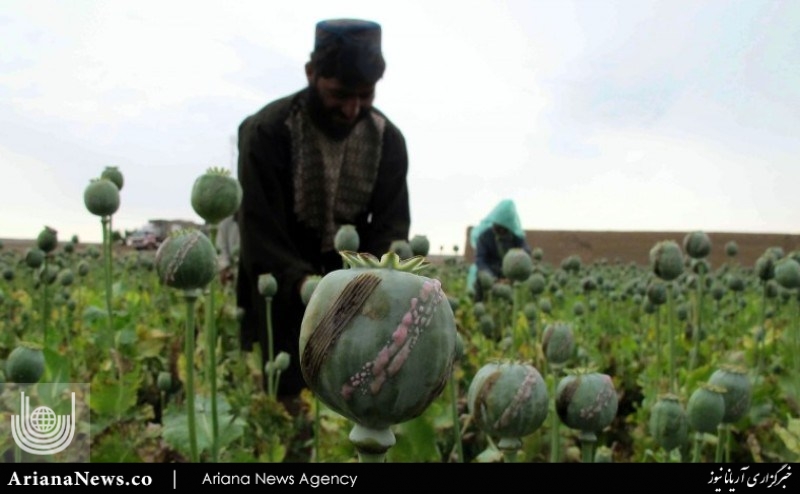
{"x": 500, "y": 231}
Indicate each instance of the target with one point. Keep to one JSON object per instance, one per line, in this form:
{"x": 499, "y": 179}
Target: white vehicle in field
{"x": 154, "y": 232}
{"x": 143, "y": 240}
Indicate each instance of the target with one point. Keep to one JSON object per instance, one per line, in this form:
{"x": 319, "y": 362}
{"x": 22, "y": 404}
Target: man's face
{"x": 338, "y": 107}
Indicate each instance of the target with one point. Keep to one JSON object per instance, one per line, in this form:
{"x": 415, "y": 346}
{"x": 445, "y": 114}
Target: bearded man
{"x": 309, "y": 163}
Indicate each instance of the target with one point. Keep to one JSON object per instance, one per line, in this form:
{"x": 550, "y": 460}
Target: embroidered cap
{"x": 349, "y": 49}
{"x": 348, "y": 31}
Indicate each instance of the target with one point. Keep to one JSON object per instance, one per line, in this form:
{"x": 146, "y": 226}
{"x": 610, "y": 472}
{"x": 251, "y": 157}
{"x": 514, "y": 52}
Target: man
{"x": 309, "y": 163}
{"x": 494, "y": 236}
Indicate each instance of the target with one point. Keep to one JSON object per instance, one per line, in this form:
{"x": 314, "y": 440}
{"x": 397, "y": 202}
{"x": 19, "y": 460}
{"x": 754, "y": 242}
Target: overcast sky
{"x": 598, "y": 115}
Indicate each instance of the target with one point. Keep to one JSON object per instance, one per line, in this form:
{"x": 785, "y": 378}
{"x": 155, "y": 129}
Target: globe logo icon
{"x": 43, "y": 419}
{"x": 41, "y": 431}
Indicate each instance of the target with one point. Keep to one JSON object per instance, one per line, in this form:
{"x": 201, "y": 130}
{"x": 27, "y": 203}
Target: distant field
{"x": 20, "y": 245}
{"x": 594, "y": 245}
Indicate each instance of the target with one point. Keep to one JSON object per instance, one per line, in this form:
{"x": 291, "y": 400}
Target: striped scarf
{"x": 333, "y": 179}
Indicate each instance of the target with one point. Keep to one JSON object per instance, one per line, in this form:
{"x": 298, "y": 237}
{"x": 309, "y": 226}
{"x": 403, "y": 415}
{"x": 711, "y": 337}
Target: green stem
{"x": 588, "y": 440}
{"x": 271, "y": 351}
{"x": 555, "y": 423}
{"x": 317, "y": 429}
{"x": 698, "y": 440}
{"x": 720, "y": 443}
{"x": 670, "y": 309}
{"x": 727, "y": 443}
{"x": 211, "y": 349}
{"x": 106, "y": 221}
{"x": 45, "y": 300}
{"x": 108, "y": 267}
{"x": 589, "y": 319}
{"x": 70, "y": 321}
{"x": 456, "y": 421}
{"x": 79, "y": 309}
{"x": 737, "y": 319}
{"x": 657, "y": 315}
{"x": 796, "y": 349}
{"x": 514, "y": 309}
{"x": 372, "y": 444}
{"x": 510, "y": 447}
{"x": 698, "y": 322}
{"x": 190, "y": 297}
{"x": 762, "y": 334}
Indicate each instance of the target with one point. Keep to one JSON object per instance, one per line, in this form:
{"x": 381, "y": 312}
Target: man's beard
{"x": 323, "y": 118}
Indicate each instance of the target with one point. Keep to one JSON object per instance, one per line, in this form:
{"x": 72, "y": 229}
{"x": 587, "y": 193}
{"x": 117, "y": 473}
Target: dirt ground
{"x": 635, "y": 247}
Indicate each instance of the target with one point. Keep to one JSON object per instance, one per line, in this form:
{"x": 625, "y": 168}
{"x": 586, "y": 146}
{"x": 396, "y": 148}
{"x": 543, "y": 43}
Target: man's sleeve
{"x": 391, "y": 217}
{"x": 266, "y": 245}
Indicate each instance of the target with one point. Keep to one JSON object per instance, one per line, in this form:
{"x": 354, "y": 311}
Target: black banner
{"x": 701, "y": 478}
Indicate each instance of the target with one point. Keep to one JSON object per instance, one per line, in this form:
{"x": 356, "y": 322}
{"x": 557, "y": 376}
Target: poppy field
{"x": 678, "y": 360}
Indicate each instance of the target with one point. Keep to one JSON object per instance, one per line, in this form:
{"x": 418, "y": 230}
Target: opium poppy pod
{"x": 738, "y": 391}
{"x": 586, "y": 401}
{"x": 34, "y": 257}
{"x": 517, "y": 264}
{"x": 402, "y": 248}
{"x": 267, "y": 285}
{"x": 558, "y": 342}
{"x": 530, "y": 310}
{"x": 25, "y": 364}
{"x": 216, "y": 195}
{"x": 787, "y": 273}
{"x": 503, "y": 291}
{"x": 113, "y": 174}
{"x": 657, "y": 293}
{"x": 308, "y": 287}
{"x": 83, "y": 268}
{"x": 47, "y": 239}
{"x": 669, "y": 425}
{"x": 101, "y": 197}
{"x": 49, "y": 275}
{"x": 486, "y": 325}
{"x": 706, "y": 408}
{"x": 508, "y": 399}
{"x": 378, "y": 340}
{"x": 420, "y": 246}
{"x": 765, "y": 267}
{"x": 346, "y": 238}
{"x": 537, "y": 283}
{"x": 666, "y": 259}
{"x": 545, "y": 305}
{"x": 164, "y": 382}
{"x": 66, "y": 277}
{"x": 697, "y": 244}
{"x": 186, "y": 260}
